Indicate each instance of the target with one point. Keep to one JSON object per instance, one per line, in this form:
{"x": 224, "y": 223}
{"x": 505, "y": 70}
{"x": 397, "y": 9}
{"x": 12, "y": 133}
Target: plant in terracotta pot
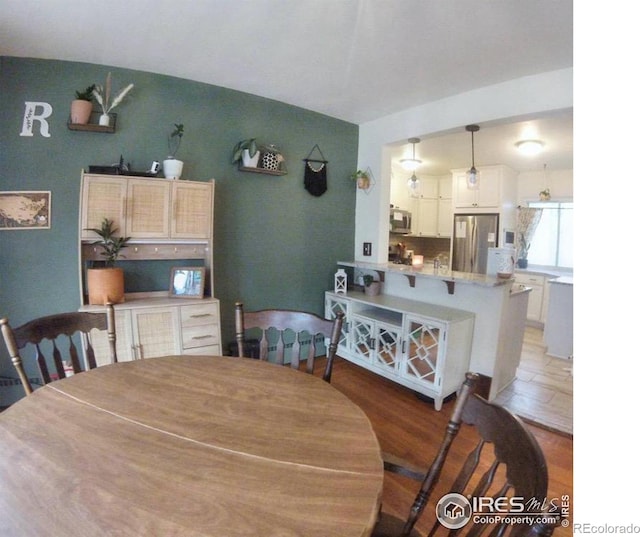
{"x": 106, "y": 283}
{"x": 82, "y": 106}
{"x": 362, "y": 179}
{"x": 171, "y": 166}
{"x": 246, "y": 151}
{"x": 106, "y": 101}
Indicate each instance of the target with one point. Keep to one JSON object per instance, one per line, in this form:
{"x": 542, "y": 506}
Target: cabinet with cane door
{"x": 425, "y": 347}
{"x": 170, "y": 222}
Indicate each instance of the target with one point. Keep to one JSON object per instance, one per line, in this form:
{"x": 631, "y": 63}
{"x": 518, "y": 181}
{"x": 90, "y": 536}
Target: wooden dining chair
{"x": 301, "y": 328}
{"x": 50, "y": 328}
{"x": 505, "y": 461}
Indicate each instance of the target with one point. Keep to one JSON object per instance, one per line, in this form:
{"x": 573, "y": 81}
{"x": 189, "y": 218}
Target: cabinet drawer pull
{"x": 200, "y": 315}
{"x": 202, "y": 337}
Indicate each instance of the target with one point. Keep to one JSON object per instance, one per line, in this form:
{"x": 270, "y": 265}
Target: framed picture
{"x": 187, "y": 282}
{"x": 27, "y": 209}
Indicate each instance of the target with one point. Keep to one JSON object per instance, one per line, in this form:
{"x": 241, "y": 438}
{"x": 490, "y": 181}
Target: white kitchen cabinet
{"x": 537, "y": 283}
{"x": 433, "y": 208}
{"x": 496, "y": 189}
{"x": 152, "y": 328}
{"x": 424, "y": 347}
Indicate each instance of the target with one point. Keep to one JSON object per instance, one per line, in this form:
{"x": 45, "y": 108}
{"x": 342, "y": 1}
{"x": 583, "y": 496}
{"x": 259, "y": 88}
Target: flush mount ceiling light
{"x": 410, "y": 164}
{"x": 472, "y": 174}
{"x": 529, "y": 147}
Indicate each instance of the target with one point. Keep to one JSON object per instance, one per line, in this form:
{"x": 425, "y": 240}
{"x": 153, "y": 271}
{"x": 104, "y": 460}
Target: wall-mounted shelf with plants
{"x": 93, "y": 125}
{"x": 257, "y": 159}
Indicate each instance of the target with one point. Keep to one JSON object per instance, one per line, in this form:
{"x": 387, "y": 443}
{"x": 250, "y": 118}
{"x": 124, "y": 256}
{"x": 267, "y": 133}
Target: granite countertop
{"x": 427, "y": 271}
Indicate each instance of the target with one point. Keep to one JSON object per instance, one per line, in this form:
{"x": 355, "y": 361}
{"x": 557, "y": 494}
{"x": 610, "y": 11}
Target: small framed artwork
{"x": 187, "y": 282}
{"x": 27, "y": 209}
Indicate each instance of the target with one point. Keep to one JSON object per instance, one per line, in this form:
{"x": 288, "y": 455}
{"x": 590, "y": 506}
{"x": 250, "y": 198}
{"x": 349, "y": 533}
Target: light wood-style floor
{"x": 411, "y": 428}
{"x": 542, "y": 392}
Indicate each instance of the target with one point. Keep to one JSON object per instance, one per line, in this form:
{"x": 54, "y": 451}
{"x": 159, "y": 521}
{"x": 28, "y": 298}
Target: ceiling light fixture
{"x": 413, "y": 184}
{"x": 529, "y": 147}
{"x": 472, "y": 174}
{"x": 410, "y": 164}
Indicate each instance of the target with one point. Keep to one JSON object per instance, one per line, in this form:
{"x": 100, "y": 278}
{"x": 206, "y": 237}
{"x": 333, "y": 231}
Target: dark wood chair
{"x": 302, "y": 327}
{"x": 506, "y": 461}
{"x": 50, "y": 328}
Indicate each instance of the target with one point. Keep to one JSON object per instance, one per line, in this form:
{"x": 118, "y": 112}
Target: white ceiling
{"x": 356, "y": 60}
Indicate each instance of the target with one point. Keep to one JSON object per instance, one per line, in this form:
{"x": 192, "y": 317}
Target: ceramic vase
{"x": 104, "y": 120}
{"x": 250, "y": 162}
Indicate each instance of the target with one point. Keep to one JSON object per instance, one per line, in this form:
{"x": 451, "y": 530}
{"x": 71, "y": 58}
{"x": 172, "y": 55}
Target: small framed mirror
{"x": 187, "y": 282}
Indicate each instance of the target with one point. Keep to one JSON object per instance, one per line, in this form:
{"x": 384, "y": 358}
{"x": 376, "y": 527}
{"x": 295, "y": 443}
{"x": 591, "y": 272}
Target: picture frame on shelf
{"x": 187, "y": 282}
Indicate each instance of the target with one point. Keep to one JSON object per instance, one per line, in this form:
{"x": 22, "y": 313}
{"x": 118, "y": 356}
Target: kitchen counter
{"x": 499, "y": 308}
{"x": 428, "y": 272}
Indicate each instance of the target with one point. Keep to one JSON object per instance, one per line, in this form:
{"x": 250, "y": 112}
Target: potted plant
{"x": 362, "y": 179}
{"x": 171, "y": 166}
{"x": 82, "y": 106}
{"x": 106, "y": 283}
{"x": 247, "y": 152}
{"x": 371, "y": 286}
{"x": 523, "y": 252}
{"x": 103, "y": 96}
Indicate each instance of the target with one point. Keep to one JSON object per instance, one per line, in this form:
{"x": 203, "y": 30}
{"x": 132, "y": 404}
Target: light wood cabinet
{"x": 166, "y": 220}
{"x": 160, "y": 327}
{"x": 147, "y": 208}
{"x": 422, "y": 346}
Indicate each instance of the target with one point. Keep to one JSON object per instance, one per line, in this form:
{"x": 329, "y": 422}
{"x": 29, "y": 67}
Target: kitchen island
{"x": 499, "y": 314}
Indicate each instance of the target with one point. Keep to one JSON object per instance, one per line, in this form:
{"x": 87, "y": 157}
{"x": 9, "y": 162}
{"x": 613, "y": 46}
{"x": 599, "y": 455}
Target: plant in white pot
{"x": 371, "y": 286}
{"x": 106, "y": 283}
{"x": 82, "y": 106}
{"x": 171, "y": 166}
{"x": 103, "y": 96}
{"x": 246, "y": 151}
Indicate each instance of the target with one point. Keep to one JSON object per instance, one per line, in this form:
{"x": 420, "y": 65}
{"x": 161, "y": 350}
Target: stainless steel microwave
{"x": 399, "y": 221}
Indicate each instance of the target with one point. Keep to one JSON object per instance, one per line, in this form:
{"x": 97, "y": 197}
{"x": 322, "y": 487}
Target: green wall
{"x": 275, "y": 244}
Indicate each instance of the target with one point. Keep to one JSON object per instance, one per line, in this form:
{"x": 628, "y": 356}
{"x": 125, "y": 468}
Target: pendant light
{"x": 410, "y": 164}
{"x": 472, "y": 174}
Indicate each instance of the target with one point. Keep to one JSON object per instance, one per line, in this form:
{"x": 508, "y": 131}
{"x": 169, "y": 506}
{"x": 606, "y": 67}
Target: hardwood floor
{"x": 410, "y": 427}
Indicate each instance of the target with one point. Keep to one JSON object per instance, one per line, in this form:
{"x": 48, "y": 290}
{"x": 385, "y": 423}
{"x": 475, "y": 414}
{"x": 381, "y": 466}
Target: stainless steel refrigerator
{"x": 473, "y": 235}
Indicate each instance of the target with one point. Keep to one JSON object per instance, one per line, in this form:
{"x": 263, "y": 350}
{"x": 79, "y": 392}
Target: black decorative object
{"x": 315, "y": 173}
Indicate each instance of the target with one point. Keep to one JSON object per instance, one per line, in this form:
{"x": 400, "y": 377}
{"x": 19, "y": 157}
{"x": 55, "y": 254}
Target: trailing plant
{"x": 358, "y": 174}
{"x": 249, "y": 144}
{"x": 87, "y": 94}
{"x": 111, "y": 245}
{"x": 368, "y": 280}
{"x": 103, "y": 95}
{"x": 175, "y": 138}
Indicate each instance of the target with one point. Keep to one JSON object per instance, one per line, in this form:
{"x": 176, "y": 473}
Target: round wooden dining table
{"x": 188, "y": 446}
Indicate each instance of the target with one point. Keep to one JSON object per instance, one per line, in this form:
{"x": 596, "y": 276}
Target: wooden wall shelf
{"x": 262, "y": 170}
{"x": 93, "y": 126}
